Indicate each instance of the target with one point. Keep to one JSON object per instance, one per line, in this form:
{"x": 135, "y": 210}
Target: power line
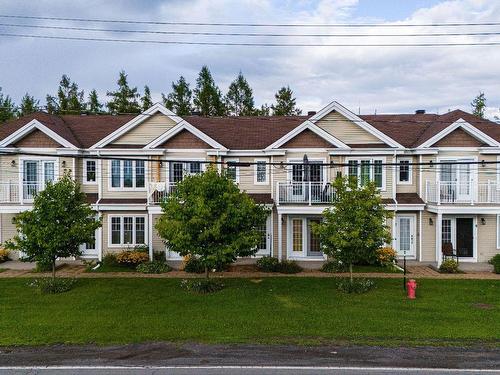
{"x": 250, "y": 44}
{"x": 246, "y": 24}
{"x": 207, "y": 33}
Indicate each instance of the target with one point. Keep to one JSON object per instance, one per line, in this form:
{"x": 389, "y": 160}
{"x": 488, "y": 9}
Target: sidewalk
{"x": 78, "y": 271}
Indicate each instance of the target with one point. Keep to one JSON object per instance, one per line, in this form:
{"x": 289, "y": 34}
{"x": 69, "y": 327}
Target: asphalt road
{"x": 189, "y": 358}
{"x": 236, "y": 371}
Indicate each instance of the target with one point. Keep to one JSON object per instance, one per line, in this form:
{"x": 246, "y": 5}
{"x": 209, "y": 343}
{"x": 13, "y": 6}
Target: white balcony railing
{"x": 158, "y": 191}
{"x": 9, "y": 192}
{"x": 304, "y": 193}
{"x": 462, "y": 193}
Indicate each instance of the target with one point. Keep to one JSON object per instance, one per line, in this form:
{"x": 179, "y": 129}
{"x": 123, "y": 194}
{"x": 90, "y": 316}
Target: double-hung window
{"x": 261, "y": 172}
{"x": 366, "y": 170}
{"x": 233, "y": 170}
{"x": 404, "y": 171}
{"x": 128, "y": 174}
{"x": 90, "y": 171}
{"x": 127, "y": 230}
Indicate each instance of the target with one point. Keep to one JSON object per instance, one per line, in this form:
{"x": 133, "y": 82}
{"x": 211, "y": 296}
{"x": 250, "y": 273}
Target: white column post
{"x": 309, "y": 193}
{"x": 150, "y": 235}
{"x": 438, "y": 192}
{"x": 277, "y": 193}
{"x": 439, "y": 252}
{"x": 280, "y": 237}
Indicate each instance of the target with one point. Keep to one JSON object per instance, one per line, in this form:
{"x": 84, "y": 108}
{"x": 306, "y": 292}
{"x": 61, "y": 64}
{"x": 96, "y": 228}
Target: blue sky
{"x": 386, "y": 80}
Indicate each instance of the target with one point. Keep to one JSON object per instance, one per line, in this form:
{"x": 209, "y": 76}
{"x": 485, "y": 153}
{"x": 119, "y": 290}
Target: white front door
{"x": 405, "y": 235}
{"x": 265, "y": 243}
{"x": 464, "y": 178}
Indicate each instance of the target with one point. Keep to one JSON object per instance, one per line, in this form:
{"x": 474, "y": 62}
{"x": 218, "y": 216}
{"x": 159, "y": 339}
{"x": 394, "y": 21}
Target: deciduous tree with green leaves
{"x": 285, "y": 103}
{"x": 207, "y": 96}
{"x": 239, "y": 98}
{"x": 354, "y": 227}
{"x": 479, "y": 105}
{"x": 208, "y": 217}
{"x": 124, "y": 99}
{"x": 60, "y": 221}
{"x": 28, "y": 105}
{"x": 179, "y": 100}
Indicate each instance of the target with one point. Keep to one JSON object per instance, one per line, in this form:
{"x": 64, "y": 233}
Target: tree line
{"x": 206, "y": 98}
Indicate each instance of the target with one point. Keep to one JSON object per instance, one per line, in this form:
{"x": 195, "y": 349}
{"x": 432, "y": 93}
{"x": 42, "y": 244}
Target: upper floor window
{"x": 366, "y": 170}
{"x": 128, "y": 174}
{"x": 233, "y": 170}
{"x": 261, "y": 172}
{"x": 179, "y": 170}
{"x": 404, "y": 171}
{"x": 90, "y": 171}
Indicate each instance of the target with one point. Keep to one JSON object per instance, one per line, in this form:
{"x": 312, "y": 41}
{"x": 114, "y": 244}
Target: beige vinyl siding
{"x": 147, "y": 131}
{"x": 428, "y": 237}
{"x": 8, "y": 231}
{"x": 7, "y": 171}
{"x": 275, "y": 232}
{"x": 80, "y": 170}
{"x": 158, "y": 244}
{"x": 247, "y": 176}
{"x": 108, "y": 192}
{"x": 345, "y": 130}
{"x": 486, "y": 238}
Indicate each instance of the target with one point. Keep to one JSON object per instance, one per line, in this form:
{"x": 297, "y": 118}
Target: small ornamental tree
{"x": 354, "y": 227}
{"x": 208, "y": 217}
{"x": 60, "y": 221}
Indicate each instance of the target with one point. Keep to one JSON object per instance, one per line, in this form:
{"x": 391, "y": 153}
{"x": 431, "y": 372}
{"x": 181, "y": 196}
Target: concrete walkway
{"x": 76, "y": 270}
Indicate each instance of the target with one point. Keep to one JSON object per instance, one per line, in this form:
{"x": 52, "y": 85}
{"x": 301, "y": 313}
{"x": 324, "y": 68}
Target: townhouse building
{"x": 437, "y": 173}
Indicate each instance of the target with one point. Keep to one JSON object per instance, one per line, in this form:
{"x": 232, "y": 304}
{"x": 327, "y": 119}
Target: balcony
{"x": 158, "y": 191}
{"x": 304, "y": 193}
{"x": 462, "y": 193}
{"x": 9, "y": 192}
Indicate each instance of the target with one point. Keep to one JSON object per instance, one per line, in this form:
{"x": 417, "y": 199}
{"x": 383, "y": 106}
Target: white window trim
{"x": 410, "y": 172}
{"x": 302, "y": 255}
{"x": 40, "y": 179}
{"x": 371, "y": 160}
{"x": 234, "y": 160}
{"x": 498, "y": 231}
{"x": 122, "y": 244}
{"x": 183, "y": 160}
{"x": 255, "y": 180}
{"x": 324, "y": 171}
{"x": 85, "y": 181}
{"x": 453, "y": 219}
{"x": 121, "y": 187}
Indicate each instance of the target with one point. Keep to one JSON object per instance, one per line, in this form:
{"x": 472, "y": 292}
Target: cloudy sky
{"x": 382, "y": 79}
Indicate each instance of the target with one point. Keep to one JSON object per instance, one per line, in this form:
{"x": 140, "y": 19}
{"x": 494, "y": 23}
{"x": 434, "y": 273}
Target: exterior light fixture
{"x": 63, "y": 163}
{"x": 431, "y": 222}
{"x": 13, "y": 163}
{"x": 483, "y": 221}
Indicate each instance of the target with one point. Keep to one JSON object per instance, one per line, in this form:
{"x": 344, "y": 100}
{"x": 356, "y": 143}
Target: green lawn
{"x": 270, "y": 310}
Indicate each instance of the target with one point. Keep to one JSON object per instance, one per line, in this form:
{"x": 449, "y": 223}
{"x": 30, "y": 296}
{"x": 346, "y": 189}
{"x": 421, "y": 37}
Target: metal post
{"x": 309, "y": 193}
{"x": 404, "y": 270}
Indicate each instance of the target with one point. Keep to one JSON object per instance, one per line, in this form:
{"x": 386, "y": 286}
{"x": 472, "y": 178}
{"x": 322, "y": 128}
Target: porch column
{"x": 439, "y": 225}
{"x": 150, "y": 235}
{"x": 280, "y": 234}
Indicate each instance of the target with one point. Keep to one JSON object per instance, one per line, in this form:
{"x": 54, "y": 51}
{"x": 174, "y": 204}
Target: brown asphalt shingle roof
{"x": 252, "y": 133}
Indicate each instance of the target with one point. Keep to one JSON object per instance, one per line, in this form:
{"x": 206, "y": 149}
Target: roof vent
{"x": 420, "y": 112}
{"x": 311, "y": 113}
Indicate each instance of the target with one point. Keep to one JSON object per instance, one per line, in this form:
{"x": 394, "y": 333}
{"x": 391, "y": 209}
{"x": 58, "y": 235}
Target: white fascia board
{"x": 489, "y": 150}
{"x": 125, "y": 152}
{"x": 368, "y": 151}
{"x": 467, "y": 127}
{"x": 405, "y": 207}
{"x": 184, "y": 125}
{"x": 315, "y": 129}
{"x": 29, "y": 127}
{"x": 121, "y": 207}
{"x": 464, "y": 209}
{"x": 262, "y": 153}
{"x": 335, "y": 106}
{"x": 140, "y": 118}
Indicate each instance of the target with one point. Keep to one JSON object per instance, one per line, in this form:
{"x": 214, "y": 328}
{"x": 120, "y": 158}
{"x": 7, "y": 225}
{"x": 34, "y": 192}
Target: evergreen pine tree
{"x": 124, "y": 99}
{"x": 7, "y": 107}
{"x": 207, "y": 96}
{"x": 285, "y": 103}
{"x": 28, "y": 105}
{"x": 179, "y": 100}
{"x": 239, "y": 98}
{"x": 479, "y": 105}
{"x": 146, "y": 100}
{"x": 93, "y": 105}
{"x": 68, "y": 99}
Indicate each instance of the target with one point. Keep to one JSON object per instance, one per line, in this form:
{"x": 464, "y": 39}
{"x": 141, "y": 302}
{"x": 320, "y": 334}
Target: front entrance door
{"x": 405, "y": 235}
{"x": 264, "y": 247}
{"x": 465, "y": 237}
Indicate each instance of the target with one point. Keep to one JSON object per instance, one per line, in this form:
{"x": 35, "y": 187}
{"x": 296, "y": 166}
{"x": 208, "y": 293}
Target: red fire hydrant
{"x": 411, "y": 287}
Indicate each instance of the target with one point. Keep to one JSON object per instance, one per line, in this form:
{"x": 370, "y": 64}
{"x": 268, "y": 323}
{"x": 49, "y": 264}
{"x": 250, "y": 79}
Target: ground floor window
{"x": 127, "y": 230}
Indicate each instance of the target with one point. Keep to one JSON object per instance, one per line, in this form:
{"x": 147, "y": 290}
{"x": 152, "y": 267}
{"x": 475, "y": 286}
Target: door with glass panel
{"x": 455, "y": 180}
{"x": 36, "y": 174}
{"x": 405, "y": 235}
{"x": 264, "y": 246}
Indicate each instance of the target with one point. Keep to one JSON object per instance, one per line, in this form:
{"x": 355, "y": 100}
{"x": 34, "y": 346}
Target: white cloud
{"x": 386, "y": 79}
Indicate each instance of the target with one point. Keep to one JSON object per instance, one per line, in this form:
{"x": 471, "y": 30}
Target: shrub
{"x": 43, "y": 266}
{"x": 386, "y": 256}
{"x": 202, "y": 286}
{"x": 154, "y": 267}
{"x": 159, "y": 256}
{"x": 289, "y": 266}
{"x": 132, "y": 258}
{"x": 193, "y": 265}
{"x": 48, "y": 285}
{"x": 333, "y": 266}
{"x": 356, "y": 286}
{"x": 449, "y": 266}
{"x": 4, "y": 255}
{"x": 267, "y": 264}
{"x": 141, "y": 248}
{"x": 495, "y": 261}
{"x": 109, "y": 260}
